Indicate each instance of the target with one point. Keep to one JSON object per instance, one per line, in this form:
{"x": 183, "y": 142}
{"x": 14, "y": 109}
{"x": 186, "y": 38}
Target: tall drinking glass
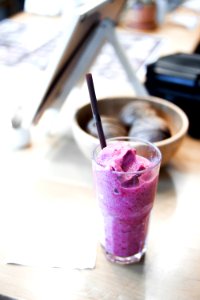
{"x": 126, "y": 199}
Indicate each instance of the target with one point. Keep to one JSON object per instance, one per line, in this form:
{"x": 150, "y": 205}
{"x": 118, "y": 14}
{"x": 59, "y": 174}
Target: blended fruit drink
{"x": 126, "y": 175}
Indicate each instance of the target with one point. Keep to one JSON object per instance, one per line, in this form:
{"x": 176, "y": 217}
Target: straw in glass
{"x": 95, "y": 110}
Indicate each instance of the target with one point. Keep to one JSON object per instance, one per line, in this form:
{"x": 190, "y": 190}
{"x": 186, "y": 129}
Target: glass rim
{"x": 126, "y": 138}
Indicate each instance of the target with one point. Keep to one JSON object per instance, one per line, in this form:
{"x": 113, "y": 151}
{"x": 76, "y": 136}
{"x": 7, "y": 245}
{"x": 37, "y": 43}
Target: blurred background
{"x": 11, "y": 7}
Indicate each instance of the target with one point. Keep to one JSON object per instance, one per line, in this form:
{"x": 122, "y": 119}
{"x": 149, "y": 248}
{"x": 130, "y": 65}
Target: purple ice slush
{"x": 125, "y": 186}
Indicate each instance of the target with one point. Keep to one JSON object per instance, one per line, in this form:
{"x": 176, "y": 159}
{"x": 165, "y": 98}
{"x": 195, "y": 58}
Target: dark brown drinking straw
{"x": 95, "y": 110}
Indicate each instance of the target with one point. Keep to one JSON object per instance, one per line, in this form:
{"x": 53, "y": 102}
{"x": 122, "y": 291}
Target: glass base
{"x": 125, "y": 260}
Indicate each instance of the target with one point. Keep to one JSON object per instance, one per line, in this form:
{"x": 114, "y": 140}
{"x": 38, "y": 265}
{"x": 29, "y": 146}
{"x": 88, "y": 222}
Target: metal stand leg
{"x": 112, "y": 38}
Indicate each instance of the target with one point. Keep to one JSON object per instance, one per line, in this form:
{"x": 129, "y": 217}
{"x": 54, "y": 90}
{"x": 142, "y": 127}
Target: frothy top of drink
{"x": 121, "y": 157}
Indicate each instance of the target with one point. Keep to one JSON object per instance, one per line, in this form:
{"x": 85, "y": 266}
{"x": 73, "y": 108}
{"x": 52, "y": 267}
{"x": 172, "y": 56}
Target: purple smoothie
{"x": 125, "y": 186}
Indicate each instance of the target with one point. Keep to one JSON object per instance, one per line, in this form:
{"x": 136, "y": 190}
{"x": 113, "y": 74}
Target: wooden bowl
{"x": 174, "y": 116}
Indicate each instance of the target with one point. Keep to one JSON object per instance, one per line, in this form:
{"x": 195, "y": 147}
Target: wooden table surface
{"x": 171, "y": 268}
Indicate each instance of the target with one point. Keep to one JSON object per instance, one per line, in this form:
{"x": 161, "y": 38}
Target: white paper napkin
{"x": 48, "y": 224}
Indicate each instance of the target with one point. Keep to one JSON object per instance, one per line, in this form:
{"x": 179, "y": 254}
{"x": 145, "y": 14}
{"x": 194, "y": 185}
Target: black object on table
{"x": 177, "y": 78}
